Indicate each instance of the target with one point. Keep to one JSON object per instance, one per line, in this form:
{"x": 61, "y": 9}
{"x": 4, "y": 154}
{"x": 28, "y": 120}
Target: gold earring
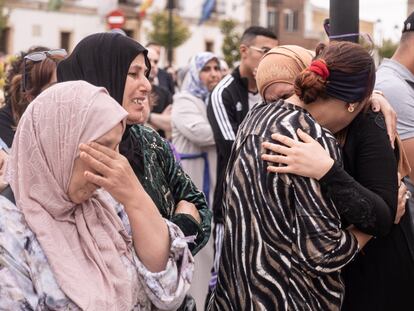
{"x": 351, "y": 107}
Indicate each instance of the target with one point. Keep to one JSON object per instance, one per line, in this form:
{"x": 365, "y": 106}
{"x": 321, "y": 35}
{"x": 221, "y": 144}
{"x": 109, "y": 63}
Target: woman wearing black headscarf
{"x": 120, "y": 64}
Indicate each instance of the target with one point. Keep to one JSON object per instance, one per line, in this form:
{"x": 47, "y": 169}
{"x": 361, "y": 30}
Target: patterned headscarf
{"x": 83, "y": 242}
{"x": 192, "y": 82}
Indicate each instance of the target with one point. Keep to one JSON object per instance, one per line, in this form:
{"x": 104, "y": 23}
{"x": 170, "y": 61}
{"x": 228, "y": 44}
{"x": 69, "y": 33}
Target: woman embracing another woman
{"x": 284, "y": 243}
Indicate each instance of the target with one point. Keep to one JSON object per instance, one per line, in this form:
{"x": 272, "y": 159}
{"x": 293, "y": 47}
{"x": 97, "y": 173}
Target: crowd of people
{"x": 284, "y": 184}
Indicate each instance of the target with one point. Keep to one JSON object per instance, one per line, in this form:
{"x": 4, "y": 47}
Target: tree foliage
{"x": 159, "y": 32}
{"x": 387, "y": 49}
{"x": 3, "y": 18}
{"x": 231, "y": 41}
{"x": 54, "y": 5}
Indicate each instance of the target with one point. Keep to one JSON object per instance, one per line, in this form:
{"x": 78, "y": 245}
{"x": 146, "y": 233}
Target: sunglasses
{"x": 38, "y": 57}
{"x": 262, "y": 50}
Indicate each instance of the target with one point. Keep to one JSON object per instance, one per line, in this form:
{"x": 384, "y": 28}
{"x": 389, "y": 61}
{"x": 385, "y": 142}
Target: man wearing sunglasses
{"x": 229, "y": 103}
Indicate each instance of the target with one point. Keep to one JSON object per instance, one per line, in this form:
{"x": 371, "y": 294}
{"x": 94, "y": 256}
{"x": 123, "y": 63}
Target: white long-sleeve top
{"x": 192, "y": 134}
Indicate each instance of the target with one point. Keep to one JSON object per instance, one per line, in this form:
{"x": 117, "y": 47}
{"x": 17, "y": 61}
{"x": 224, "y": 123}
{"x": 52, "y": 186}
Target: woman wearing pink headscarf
{"x": 67, "y": 244}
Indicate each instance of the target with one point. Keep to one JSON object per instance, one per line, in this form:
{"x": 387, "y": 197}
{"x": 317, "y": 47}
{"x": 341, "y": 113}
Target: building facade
{"x": 300, "y": 22}
{"x": 36, "y": 22}
{"x": 32, "y": 23}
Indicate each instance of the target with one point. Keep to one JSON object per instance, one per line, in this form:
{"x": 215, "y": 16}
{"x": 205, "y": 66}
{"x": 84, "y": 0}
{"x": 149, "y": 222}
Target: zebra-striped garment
{"x": 283, "y": 243}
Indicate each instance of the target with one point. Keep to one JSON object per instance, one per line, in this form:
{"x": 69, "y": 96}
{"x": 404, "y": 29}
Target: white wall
{"x": 196, "y": 44}
{"x": 191, "y": 11}
{"x": 92, "y": 3}
{"x": 34, "y": 27}
{"x": 235, "y": 9}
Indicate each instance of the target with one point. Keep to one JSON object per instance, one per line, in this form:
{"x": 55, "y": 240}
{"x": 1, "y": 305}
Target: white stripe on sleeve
{"x": 219, "y": 109}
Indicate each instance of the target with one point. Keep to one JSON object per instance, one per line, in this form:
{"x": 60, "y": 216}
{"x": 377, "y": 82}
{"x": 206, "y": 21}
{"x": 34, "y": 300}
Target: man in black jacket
{"x": 233, "y": 97}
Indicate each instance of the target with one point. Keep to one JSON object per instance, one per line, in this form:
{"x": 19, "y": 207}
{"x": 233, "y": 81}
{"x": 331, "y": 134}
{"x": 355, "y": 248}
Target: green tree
{"x": 231, "y": 41}
{"x": 54, "y": 5}
{"x": 159, "y": 32}
{"x": 387, "y": 49}
{"x": 3, "y": 18}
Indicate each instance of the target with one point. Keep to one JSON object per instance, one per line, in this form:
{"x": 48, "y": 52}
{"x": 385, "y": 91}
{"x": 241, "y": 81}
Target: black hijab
{"x": 103, "y": 59}
{"x": 7, "y": 125}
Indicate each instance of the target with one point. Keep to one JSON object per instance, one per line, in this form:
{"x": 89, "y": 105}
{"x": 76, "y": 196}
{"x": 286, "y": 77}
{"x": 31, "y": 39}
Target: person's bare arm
{"x": 185, "y": 207}
{"x": 408, "y": 145}
{"x": 149, "y": 230}
{"x": 402, "y": 200}
{"x": 380, "y": 103}
{"x": 361, "y": 237}
{"x": 306, "y": 158}
{"x": 161, "y": 121}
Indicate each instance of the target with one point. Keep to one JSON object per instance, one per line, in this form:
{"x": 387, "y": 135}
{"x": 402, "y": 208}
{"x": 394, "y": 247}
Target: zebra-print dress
{"x": 283, "y": 244}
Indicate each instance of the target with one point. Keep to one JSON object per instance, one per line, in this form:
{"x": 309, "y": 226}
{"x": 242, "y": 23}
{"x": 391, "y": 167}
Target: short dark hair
{"x": 252, "y": 32}
{"x": 408, "y": 30}
{"x": 407, "y": 37}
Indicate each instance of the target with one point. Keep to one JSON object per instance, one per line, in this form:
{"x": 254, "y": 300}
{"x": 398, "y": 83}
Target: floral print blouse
{"x": 27, "y": 281}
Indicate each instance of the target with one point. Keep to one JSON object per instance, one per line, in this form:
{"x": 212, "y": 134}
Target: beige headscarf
{"x": 83, "y": 243}
{"x": 282, "y": 64}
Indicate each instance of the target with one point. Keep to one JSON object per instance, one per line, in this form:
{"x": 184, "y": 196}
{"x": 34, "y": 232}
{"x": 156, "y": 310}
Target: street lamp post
{"x": 378, "y": 32}
{"x": 344, "y": 20}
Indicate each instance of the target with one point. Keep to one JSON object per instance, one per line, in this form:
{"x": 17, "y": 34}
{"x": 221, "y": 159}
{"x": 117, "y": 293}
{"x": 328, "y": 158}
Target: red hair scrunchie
{"x": 319, "y": 67}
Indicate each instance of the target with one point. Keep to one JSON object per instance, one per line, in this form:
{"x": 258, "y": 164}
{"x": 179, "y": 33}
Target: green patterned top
{"x": 167, "y": 184}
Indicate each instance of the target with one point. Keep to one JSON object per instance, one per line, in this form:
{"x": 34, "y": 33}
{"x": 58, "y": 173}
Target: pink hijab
{"x": 83, "y": 243}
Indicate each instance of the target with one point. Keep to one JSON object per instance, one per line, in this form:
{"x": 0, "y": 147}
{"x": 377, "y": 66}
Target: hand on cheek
{"x": 111, "y": 172}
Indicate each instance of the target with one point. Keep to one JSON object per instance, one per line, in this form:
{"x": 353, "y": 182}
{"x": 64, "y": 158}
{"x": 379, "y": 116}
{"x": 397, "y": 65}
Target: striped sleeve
{"x": 219, "y": 103}
{"x": 324, "y": 246}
